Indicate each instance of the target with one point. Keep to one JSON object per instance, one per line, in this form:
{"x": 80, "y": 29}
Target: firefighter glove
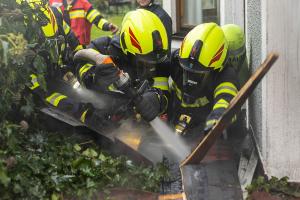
{"x": 212, "y": 119}
{"x": 105, "y": 76}
{"x": 148, "y": 105}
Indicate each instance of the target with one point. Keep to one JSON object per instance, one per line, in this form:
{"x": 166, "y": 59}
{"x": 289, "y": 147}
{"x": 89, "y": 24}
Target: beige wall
{"x": 281, "y": 89}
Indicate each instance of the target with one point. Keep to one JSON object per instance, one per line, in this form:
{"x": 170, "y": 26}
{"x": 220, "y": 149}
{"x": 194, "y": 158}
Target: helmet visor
{"x": 192, "y": 65}
{"x": 153, "y": 57}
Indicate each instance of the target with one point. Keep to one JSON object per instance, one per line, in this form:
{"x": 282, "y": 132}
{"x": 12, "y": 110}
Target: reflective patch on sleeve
{"x": 77, "y": 14}
{"x": 161, "y": 83}
{"x": 222, "y": 103}
{"x": 84, "y": 69}
{"x": 92, "y": 15}
{"x": 55, "y": 98}
{"x": 225, "y": 87}
{"x": 34, "y": 82}
{"x": 83, "y": 116}
{"x": 101, "y": 23}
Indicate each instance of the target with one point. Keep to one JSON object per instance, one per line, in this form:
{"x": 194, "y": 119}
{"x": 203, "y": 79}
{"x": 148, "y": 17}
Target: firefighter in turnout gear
{"x": 80, "y": 16}
{"x": 161, "y": 13}
{"x": 237, "y": 51}
{"x": 53, "y": 27}
{"x": 138, "y": 51}
{"x": 202, "y": 82}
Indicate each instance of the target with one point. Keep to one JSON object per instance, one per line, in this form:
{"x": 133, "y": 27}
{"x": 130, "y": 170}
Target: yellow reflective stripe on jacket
{"x": 211, "y": 122}
{"x": 101, "y": 23}
{"x": 83, "y": 116}
{"x": 199, "y": 102}
{"x": 222, "y": 103}
{"x": 79, "y": 47}
{"x": 34, "y": 81}
{"x": 225, "y": 87}
{"x": 161, "y": 83}
{"x": 66, "y": 28}
{"x": 77, "y": 14}
{"x": 92, "y": 15}
{"x": 84, "y": 69}
{"x": 55, "y": 98}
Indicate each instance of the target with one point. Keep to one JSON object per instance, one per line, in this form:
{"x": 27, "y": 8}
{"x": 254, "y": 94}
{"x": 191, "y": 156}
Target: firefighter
{"x": 138, "y": 51}
{"x": 80, "y": 15}
{"x": 203, "y": 83}
{"x": 161, "y": 13}
{"x": 237, "y": 51}
{"x": 52, "y": 26}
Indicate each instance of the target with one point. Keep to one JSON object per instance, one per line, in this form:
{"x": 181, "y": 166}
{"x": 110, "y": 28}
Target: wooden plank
{"x": 235, "y": 105}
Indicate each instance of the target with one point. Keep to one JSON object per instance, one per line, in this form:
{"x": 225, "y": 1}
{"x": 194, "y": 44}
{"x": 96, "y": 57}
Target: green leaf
{"x": 77, "y": 147}
{"x": 90, "y": 183}
{"x": 54, "y": 197}
{"x": 4, "y": 179}
{"x": 91, "y": 153}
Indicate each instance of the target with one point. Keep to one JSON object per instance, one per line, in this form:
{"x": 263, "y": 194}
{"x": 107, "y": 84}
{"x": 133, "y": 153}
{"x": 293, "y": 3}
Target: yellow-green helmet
{"x": 236, "y": 44}
{"x": 204, "y": 49}
{"x": 42, "y": 13}
{"x": 144, "y": 35}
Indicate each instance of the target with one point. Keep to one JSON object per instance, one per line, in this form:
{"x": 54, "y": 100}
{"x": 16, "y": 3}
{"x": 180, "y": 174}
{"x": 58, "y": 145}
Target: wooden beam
{"x": 235, "y": 105}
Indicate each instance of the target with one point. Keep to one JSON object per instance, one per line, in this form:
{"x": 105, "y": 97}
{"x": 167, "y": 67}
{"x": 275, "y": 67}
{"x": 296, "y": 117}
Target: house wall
{"x": 281, "y": 91}
{"x": 274, "y": 107}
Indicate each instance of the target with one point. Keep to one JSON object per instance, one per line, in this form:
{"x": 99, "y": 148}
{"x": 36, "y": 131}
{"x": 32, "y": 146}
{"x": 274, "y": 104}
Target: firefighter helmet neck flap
{"x": 236, "y": 45}
{"x": 144, "y": 36}
{"x": 203, "y": 50}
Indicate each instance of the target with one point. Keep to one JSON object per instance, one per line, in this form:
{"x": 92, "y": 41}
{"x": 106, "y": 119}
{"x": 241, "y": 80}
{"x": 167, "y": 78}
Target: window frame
{"x": 182, "y": 30}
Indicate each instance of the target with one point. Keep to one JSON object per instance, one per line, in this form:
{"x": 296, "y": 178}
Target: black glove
{"x": 212, "y": 119}
{"x": 148, "y": 105}
{"x": 105, "y": 75}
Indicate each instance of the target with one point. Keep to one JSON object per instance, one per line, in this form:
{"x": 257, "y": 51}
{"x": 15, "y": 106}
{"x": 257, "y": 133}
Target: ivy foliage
{"x": 35, "y": 164}
{"x": 275, "y": 186}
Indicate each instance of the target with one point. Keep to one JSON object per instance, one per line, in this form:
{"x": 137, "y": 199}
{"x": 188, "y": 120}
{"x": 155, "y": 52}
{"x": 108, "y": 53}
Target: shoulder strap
{"x": 66, "y": 13}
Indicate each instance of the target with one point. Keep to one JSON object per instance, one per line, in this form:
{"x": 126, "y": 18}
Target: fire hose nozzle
{"x": 182, "y": 125}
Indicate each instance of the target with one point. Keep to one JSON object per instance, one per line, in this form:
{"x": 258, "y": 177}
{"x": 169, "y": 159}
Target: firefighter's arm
{"x": 70, "y": 37}
{"x": 102, "y": 74}
{"x": 94, "y": 17}
{"x": 226, "y": 89}
{"x": 65, "y": 30}
{"x": 161, "y": 84}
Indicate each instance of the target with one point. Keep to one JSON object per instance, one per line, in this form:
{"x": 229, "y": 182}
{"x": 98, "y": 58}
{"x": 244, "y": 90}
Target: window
{"x": 193, "y": 12}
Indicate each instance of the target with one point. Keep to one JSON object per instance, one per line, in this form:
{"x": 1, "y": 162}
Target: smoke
{"x": 153, "y": 142}
{"x": 170, "y": 139}
{"x": 86, "y": 95}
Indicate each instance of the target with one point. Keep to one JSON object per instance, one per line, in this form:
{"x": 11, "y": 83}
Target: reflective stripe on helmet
{"x": 206, "y": 45}
{"x": 143, "y": 33}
